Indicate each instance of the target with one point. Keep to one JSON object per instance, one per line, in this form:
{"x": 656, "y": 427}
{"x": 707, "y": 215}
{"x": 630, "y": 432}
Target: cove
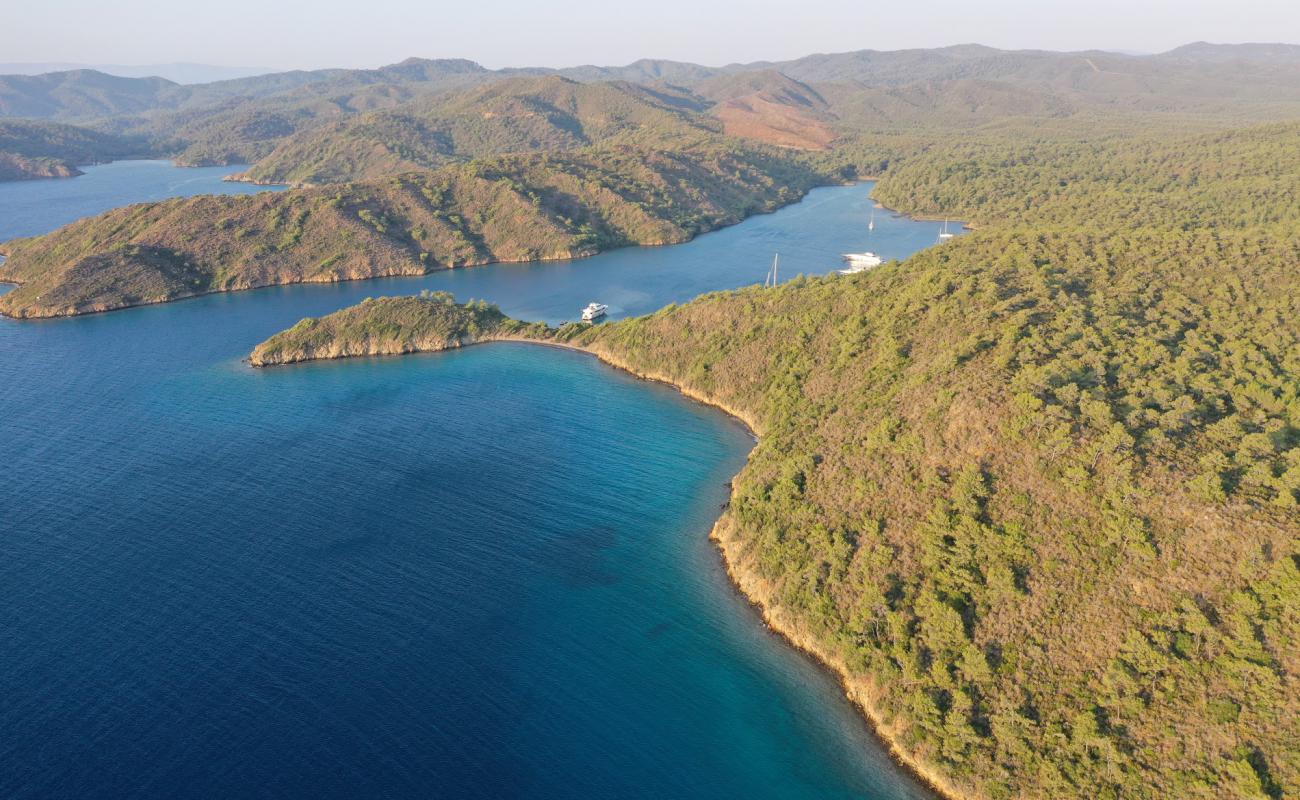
{"x": 474, "y": 574}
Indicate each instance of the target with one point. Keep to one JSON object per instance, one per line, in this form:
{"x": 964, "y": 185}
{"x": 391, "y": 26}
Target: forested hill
{"x": 1231, "y": 180}
{"x": 393, "y": 325}
{"x": 81, "y": 95}
{"x": 46, "y": 149}
{"x": 84, "y": 94}
{"x": 228, "y": 121}
{"x": 511, "y": 208}
{"x": 807, "y": 103}
{"x": 1035, "y": 490}
{"x": 516, "y": 115}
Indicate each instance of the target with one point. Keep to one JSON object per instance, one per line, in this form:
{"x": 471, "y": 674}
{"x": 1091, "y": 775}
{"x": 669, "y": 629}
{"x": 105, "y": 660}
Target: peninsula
{"x": 512, "y": 208}
{"x": 391, "y": 326}
{"x": 1032, "y": 493}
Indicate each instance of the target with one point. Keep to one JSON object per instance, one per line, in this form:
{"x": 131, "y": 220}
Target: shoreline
{"x": 420, "y": 274}
{"x": 963, "y": 225}
{"x": 239, "y": 177}
{"x": 858, "y": 691}
{"x": 750, "y": 425}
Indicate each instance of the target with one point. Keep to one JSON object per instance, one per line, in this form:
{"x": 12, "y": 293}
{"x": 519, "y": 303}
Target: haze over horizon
{"x": 510, "y": 33}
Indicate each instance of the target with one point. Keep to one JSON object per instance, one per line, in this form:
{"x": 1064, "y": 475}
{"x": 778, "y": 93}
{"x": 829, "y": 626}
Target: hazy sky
{"x": 497, "y": 33}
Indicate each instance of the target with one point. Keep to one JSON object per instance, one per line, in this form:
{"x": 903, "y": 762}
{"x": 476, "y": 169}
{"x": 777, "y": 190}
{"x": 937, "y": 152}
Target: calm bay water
{"x": 809, "y": 237}
{"x": 35, "y": 207}
{"x": 475, "y": 574}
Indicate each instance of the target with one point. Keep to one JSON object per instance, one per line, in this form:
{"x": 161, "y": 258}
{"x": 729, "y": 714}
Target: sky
{"x": 304, "y": 34}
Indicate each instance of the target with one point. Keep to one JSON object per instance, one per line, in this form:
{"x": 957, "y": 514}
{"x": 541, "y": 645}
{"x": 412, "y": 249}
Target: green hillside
{"x": 232, "y": 121}
{"x": 84, "y": 95}
{"x": 50, "y": 150}
{"x": 1035, "y": 492}
{"x": 512, "y": 208}
{"x": 809, "y": 104}
{"x": 511, "y": 116}
{"x": 391, "y": 325}
{"x": 220, "y": 125}
{"x": 1035, "y": 489}
{"x": 338, "y": 124}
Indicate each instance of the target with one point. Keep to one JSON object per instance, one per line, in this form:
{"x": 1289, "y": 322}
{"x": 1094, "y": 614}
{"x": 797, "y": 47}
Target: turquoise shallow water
{"x": 475, "y": 574}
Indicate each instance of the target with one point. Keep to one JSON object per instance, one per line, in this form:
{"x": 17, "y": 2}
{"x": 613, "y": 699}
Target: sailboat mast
{"x": 776, "y": 260}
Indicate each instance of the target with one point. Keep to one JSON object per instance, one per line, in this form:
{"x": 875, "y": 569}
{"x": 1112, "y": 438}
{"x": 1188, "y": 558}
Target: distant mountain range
{"x": 345, "y": 124}
{"x": 89, "y": 94}
{"x": 1218, "y": 53}
{"x": 181, "y": 72}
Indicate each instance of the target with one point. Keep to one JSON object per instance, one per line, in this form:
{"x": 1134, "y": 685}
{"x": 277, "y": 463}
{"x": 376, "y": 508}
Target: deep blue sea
{"x": 476, "y": 574}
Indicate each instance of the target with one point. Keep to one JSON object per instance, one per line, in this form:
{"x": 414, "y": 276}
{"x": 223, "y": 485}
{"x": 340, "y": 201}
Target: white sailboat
{"x": 871, "y": 226}
{"x": 944, "y": 233}
{"x": 769, "y": 280}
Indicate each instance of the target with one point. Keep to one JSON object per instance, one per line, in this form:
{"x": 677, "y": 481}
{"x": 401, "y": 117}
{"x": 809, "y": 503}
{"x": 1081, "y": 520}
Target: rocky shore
{"x": 405, "y": 325}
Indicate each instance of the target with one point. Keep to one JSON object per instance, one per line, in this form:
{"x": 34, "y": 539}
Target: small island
{"x": 429, "y": 322}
